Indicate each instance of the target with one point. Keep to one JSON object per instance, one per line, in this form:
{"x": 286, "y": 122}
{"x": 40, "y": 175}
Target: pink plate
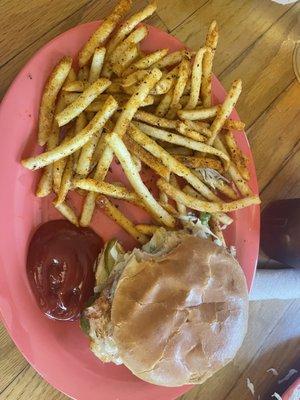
{"x": 59, "y": 351}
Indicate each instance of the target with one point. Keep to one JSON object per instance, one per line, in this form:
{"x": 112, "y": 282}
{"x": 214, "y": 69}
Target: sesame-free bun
{"x": 180, "y": 317}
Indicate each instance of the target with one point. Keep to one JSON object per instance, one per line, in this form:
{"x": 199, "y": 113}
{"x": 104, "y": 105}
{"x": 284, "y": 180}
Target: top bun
{"x": 180, "y": 317}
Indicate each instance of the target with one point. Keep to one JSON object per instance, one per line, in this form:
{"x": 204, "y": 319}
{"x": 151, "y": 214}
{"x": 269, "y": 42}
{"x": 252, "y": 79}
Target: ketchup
{"x": 60, "y": 264}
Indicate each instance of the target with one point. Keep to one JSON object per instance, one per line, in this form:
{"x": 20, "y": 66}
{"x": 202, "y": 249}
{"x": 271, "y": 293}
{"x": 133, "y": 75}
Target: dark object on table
{"x": 280, "y": 231}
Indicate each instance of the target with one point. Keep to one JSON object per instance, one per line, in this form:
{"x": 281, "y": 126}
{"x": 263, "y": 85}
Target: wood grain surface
{"x": 257, "y": 39}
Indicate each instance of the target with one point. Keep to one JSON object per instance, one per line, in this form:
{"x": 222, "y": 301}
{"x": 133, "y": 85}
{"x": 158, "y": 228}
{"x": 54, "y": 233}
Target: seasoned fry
{"x": 128, "y": 26}
{"x": 67, "y": 211}
{"x": 183, "y": 75}
{"x": 52, "y": 87}
{"x": 189, "y": 133}
{"x": 234, "y": 125}
{"x": 86, "y": 154}
{"x": 83, "y": 73}
{"x": 164, "y": 104}
{"x": 233, "y": 172}
{"x": 170, "y": 162}
{"x": 237, "y": 157}
{"x": 216, "y": 229}
{"x": 225, "y": 109}
{"x": 115, "y": 214}
{"x": 146, "y": 157}
{"x": 108, "y": 189}
{"x": 127, "y": 57}
{"x": 174, "y": 58}
{"x": 200, "y": 205}
{"x": 116, "y": 143}
{"x": 66, "y": 181}
{"x": 102, "y": 33}
{"x": 201, "y": 127}
{"x": 177, "y": 150}
{"x": 196, "y": 79}
{"x": 167, "y": 81}
{"x": 181, "y": 141}
{"x": 180, "y": 207}
{"x": 75, "y": 143}
{"x": 200, "y": 162}
{"x": 75, "y": 86}
{"x": 97, "y": 64}
{"x": 135, "y": 37}
{"x": 211, "y": 43}
{"x": 80, "y": 104}
{"x": 198, "y": 113}
{"x": 155, "y": 120}
{"x": 44, "y": 187}
{"x": 146, "y": 229}
{"x": 148, "y": 60}
{"x": 122, "y": 100}
{"x": 134, "y": 77}
{"x": 223, "y": 218}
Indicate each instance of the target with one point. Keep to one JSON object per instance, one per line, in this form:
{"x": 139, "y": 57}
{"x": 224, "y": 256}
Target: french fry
{"x": 83, "y": 73}
{"x": 146, "y": 157}
{"x": 52, "y": 87}
{"x": 67, "y": 211}
{"x": 115, "y": 214}
{"x": 234, "y": 125}
{"x": 180, "y": 207}
{"x": 196, "y": 79}
{"x": 216, "y": 229}
{"x": 128, "y": 26}
{"x": 134, "y": 77}
{"x": 225, "y": 110}
{"x": 86, "y": 154}
{"x": 108, "y": 189}
{"x": 164, "y": 104}
{"x": 211, "y": 43}
{"x": 174, "y": 58}
{"x": 75, "y": 143}
{"x": 170, "y": 162}
{"x": 148, "y": 61}
{"x": 182, "y": 141}
{"x": 198, "y": 114}
{"x": 137, "y": 163}
{"x": 122, "y": 100}
{"x": 237, "y": 157}
{"x": 223, "y": 218}
{"x": 80, "y": 104}
{"x": 201, "y": 127}
{"x": 97, "y": 64}
{"x": 127, "y": 57}
{"x": 75, "y": 86}
{"x": 123, "y": 155}
{"x": 189, "y": 133}
{"x": 196, "y": 162}
{"x": 183, "y": 75}
{"x": 135, "y": 37}
{"x": 177, "y": 150}
{"x": 66, "y": 181}
{"x": 200, "y": 205}
{"x": 103, "y": 32}
{"x": 44, "y": 187}
{"x": 233, "y": 172}
{"x": 167, "y": 81}
{"x": 146, "y": 229}
{"x": 155, "y": 120}
{"x": 81, "y": 122}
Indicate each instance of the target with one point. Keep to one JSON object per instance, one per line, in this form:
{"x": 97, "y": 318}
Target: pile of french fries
{"x": 144, "y": 109}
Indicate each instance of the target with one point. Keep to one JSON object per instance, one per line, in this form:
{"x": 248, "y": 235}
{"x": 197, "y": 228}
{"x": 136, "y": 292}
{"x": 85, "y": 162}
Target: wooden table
{"x": 257, "y": 38}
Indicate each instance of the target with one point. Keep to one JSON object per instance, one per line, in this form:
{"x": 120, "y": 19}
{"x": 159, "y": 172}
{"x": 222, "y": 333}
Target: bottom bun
{"x": 181, "y": 317}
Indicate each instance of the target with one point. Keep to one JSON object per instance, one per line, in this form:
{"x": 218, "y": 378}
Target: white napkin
{"x": 276, "y": 284}
{"x": 285, "y": 1}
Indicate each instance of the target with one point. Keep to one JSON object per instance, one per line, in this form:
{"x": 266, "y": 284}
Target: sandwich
{"x": 174, "y": 312}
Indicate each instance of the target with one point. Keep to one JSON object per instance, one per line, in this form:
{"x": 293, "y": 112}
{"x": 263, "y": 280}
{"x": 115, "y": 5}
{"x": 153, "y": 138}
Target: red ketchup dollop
{"x": 60, "y": 270}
